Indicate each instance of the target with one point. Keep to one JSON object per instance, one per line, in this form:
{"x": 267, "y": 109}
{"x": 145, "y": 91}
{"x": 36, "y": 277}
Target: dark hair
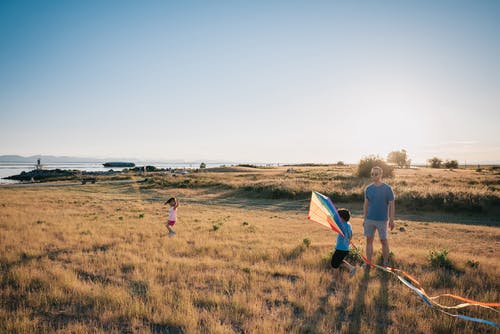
{"x": 344, "y": 214}
{"x": 171, "y": 199}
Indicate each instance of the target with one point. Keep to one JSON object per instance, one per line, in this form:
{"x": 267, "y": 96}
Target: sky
{"x": 251, "y": 81}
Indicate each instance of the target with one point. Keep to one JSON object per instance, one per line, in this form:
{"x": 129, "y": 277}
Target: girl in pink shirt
{"x": 172, "y": 214}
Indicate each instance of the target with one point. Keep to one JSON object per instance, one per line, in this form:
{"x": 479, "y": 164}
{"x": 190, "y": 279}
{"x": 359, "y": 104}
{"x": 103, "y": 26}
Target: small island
{"x": 118, "y": 164}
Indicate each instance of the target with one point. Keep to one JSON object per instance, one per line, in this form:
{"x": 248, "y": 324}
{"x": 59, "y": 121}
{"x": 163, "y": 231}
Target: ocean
{"x": 11, "y": 168}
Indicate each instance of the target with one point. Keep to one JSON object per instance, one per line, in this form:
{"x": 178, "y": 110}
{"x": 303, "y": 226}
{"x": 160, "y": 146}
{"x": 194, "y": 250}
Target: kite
{"x": 323, "y": 211}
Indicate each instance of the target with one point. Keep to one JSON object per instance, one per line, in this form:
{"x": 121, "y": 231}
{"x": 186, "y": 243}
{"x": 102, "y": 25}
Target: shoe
{"x": 352, "y": 272}
{"x": 171, "y": 233}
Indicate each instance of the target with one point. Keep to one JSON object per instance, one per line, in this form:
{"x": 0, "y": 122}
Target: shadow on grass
{"x": 359, "y": 304}
{"x": 382, "y": 305}
{"x": 321, "y": 311}
{"x": 356, "y": 316}
{"x": 52, "y": 255}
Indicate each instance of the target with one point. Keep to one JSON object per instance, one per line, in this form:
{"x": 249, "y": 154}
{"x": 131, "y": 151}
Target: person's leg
{"x": 350, "y": 267}
{"x": 385, "y": 251}
{"x": 382, "y": 232}
{"x": 337, "y": 258}
{"x": 170, "y": 224}
{"x": 369, "y": 231}
{"x": 169, "y": 228}
{"x": 369, "y": 248}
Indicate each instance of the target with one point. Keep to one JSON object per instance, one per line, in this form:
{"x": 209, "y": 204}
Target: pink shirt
{"x": 172, "y": 214}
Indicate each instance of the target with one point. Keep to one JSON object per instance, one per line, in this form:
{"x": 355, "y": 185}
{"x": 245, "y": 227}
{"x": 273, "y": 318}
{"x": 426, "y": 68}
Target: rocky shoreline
{"x": 42, "y": 175}
{"x": 53, "y": 175}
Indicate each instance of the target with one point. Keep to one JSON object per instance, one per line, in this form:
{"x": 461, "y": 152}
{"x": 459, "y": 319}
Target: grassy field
{"x": 97, "y": 258}
{"x": 467, "y": 191}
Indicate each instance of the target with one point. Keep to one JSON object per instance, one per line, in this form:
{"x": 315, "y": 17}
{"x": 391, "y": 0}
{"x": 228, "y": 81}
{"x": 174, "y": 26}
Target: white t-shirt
{"x": 172, "y": 214}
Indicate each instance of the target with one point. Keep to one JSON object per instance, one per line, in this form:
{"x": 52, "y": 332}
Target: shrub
{"x": 451, "y": 164}
{"x": 435, "y": 162}
{"x": 472, "y": 264}
{"x": 354, "y": 256}
{"x": 366, "y": 164}
{"x": 439, "y": 259}
{"x": 307, "y": 242}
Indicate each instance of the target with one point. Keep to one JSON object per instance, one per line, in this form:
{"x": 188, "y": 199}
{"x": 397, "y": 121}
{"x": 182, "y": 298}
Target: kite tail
{"x": 426, "y": 299}
{"x": 415, "y": 285}
{"x": 468, "y": 301}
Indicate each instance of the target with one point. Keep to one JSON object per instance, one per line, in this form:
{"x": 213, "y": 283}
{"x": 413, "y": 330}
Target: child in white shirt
{"x": 172, "y": 214}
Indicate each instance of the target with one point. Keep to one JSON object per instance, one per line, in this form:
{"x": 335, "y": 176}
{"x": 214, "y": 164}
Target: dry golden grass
{"x": 97, "y": 258}
{"x": 466, "y": 191}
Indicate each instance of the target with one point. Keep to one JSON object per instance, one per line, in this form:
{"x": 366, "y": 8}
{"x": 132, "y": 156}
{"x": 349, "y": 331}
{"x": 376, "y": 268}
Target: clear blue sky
{"x": 254, "y": 81}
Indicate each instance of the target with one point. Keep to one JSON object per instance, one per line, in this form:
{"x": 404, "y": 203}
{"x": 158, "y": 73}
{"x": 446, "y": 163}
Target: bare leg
{"x": 369, "y": 248}
{"x": 385, "y": 251}
{"x": 349, "y": 266}
{"x": 352, "y": 269}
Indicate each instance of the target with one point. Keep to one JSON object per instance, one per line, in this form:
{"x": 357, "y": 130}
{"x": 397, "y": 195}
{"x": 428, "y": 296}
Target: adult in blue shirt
{"x": 378, "y": 212}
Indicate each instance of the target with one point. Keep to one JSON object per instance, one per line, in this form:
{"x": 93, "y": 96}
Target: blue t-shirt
{"x": 343, "y": 242}
{"x": 378, "y": 201}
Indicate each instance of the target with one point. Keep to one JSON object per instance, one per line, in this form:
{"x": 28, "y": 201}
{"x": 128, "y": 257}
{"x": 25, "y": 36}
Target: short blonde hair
{"x": 379, "y": 169}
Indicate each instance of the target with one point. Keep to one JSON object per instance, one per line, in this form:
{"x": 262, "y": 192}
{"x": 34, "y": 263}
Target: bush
{"x": 306, "y": 242}
{"x": 366, "y": 164}
{"x": 439, "y": 259}
{"x": 472, "y": 264}
{"x": 451, "y": 164}
{"x": 435, "y": 162}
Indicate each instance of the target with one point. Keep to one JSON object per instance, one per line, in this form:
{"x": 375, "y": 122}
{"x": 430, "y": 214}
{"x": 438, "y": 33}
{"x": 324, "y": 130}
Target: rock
{"x": 44, "y": 175}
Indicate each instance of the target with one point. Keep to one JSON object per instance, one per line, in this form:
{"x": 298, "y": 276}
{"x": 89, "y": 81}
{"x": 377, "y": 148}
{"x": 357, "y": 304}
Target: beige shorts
{"x": 372, "y": 225}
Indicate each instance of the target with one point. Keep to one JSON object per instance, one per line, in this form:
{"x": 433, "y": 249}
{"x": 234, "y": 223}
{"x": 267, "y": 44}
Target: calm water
{"x": 9, "y": 169}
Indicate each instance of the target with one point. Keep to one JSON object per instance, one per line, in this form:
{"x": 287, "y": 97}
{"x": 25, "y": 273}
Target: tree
{"x": 400, "y": 158}
{"x": 366, "y": 164}
{"x": 435, "y": 162}
{"x": 451, "y": 164}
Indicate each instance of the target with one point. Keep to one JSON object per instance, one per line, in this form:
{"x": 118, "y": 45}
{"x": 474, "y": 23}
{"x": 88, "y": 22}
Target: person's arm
{"x": 365, "y": 210}
{"x": 392, "y": 210}
{"x": 176, "y": 203}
